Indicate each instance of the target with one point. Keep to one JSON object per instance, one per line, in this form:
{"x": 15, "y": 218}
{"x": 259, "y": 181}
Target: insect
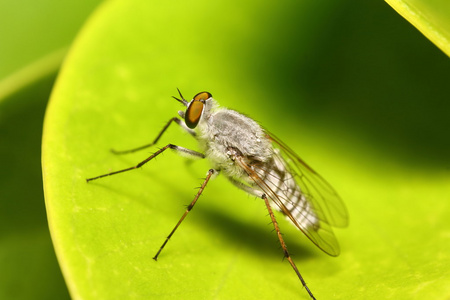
{"x": 258, "y": 163}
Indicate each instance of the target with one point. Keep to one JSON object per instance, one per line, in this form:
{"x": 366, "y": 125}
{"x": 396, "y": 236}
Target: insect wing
{"x": 321, "y": 192}
{"x": 317, "y": 207}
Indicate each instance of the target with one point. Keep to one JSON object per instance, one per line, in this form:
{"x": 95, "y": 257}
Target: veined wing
{"x": 314, "y": 187}
{"x": 301, "y": 194}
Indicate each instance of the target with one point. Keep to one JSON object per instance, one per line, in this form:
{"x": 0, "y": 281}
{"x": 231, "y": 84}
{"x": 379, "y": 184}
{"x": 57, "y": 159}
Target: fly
{"x": 257, "y": 162}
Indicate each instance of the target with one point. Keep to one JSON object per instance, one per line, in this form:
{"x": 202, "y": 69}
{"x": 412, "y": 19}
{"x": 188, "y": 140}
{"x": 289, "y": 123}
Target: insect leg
{"x": 181, "y": 150}
{"x": 283, "y": 245}
{"x": 246, "y": 188}
{"x": 188, "y": 209}
{"x": 174, "y": 119}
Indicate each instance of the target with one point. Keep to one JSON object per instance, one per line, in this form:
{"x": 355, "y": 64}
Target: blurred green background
{"x": 367, "y": 71}
{"x": 34, "y": 35}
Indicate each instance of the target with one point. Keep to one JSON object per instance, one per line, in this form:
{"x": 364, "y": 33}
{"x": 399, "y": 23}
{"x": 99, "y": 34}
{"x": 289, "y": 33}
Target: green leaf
{"x": 286, "y": 64}
{"x": 34, "y": 36}
{"x": 431, "y": 17}
{"x": 33, "y": 29}
{"x": 27, "y": 259}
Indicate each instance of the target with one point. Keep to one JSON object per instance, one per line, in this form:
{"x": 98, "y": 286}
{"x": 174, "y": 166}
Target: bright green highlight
{"x": 114, "y": 92}
{"x": 431, "y": 17}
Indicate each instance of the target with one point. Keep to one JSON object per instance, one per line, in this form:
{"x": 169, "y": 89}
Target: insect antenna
{"x": 182, "y": 100}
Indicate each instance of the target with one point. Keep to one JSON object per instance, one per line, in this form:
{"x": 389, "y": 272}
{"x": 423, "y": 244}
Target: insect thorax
{"x": 226, "y": 129}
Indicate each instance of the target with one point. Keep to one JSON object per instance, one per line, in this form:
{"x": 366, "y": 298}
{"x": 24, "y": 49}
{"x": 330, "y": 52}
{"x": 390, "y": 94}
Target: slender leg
{"x": 174, "y": 119}
{"x": 283, "y": 245}
{"x": 173, "y": 147}
{"x": 188, "y": 209}
{"x": 246, "y": 188}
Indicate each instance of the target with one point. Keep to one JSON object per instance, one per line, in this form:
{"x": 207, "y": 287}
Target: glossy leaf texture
{"x": 338, "y": 91}
{"x": 431, "y": 17}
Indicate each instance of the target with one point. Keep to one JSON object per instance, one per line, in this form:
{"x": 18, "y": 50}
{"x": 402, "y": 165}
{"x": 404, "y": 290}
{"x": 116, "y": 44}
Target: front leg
{"x": 174, "y": 119}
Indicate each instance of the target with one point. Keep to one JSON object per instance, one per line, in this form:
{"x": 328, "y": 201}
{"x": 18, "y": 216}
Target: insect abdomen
{"x": 283, "y": 184}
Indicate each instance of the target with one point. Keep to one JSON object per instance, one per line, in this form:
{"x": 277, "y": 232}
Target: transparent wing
{"x": 302, "y": 195}
{"x": 316, "y": 189}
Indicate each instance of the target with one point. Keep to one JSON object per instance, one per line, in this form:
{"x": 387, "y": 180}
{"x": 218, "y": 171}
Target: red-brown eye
{"x": 194, "y": 112}
{"x": 202, "y": 96}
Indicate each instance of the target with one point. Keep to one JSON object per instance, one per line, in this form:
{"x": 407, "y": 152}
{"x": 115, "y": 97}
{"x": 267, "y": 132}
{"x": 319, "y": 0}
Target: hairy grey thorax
{"x": 224, "y": 129}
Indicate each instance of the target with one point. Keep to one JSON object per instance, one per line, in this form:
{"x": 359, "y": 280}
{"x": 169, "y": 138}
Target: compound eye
{"x": 194, "y": 112}
{"x": 202, "y": 96}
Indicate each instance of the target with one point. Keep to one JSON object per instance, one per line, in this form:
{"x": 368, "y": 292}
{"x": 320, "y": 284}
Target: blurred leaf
{"x": 27, "y": 259}
{"x": 30, "y": 29}
{"x": 34, "y": 36}
{"x": 431, "y": 17}
{"x": 114, "y": 92}
{"x": 27, "y": 76}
